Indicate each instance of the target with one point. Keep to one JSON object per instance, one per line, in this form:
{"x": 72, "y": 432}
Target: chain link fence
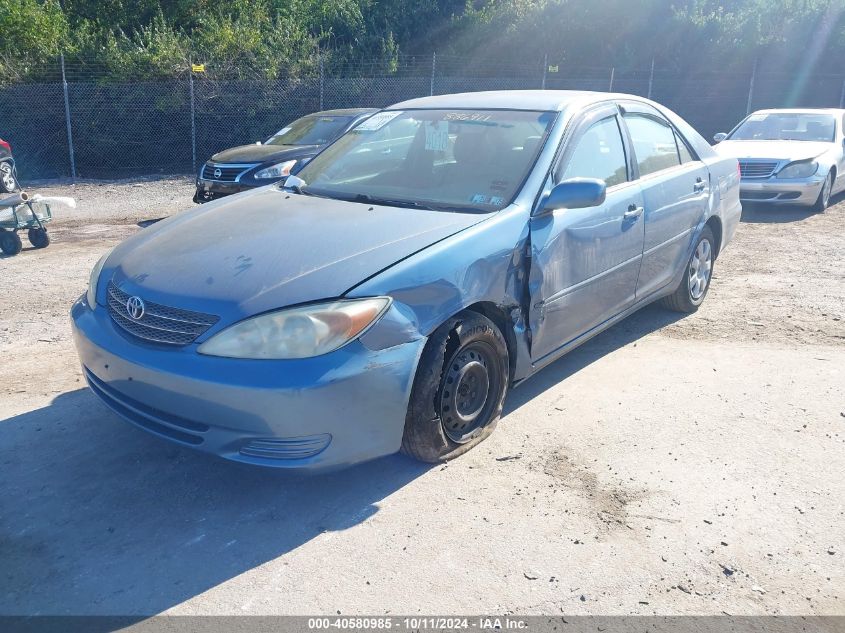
{"x": 84, "y": 126}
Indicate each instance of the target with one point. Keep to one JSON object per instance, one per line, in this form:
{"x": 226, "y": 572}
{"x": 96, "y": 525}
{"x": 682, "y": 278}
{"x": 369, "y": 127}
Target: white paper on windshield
{"x": 437, "y": 136}
{"x": 378, "y": 121}
{"x": 757, "y": 117}
{"x": 284, "y": 130}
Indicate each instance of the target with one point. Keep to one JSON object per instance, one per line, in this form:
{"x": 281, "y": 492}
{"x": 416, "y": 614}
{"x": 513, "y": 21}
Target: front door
{"x": 585, "y": 261}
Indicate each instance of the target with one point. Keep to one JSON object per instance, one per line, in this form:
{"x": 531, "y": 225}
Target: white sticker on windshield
{"x": 437, "y": 136}
{"x": 378, "y": 121}
{"x": 284, "y": 130}
{"x": 757, "y": 117}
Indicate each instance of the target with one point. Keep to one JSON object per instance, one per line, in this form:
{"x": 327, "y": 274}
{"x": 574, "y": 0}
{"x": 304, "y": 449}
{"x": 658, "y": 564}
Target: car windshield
{"x": 443, "y": 159}
{"x": 310, "y": 130}
{"x": 786, "y": 126}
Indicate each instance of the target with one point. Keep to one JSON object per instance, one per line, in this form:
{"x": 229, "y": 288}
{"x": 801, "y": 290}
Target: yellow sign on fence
{"x": 198, "y": 68}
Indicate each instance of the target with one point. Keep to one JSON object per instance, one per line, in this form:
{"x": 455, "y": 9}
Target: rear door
{"x": 585, "y": 261}
{"x": 675, "y": 187}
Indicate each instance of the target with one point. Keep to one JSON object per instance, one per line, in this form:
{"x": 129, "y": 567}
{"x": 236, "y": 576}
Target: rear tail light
{"x": 6, "y": 145}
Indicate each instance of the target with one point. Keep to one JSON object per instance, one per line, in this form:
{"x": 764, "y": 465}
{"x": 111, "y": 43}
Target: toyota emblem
{"x": 135, "y": 307}
{"x": 218, "y": 172}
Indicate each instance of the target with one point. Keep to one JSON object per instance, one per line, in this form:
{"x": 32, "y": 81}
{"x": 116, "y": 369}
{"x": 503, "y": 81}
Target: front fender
{"x": 484, "y": 263}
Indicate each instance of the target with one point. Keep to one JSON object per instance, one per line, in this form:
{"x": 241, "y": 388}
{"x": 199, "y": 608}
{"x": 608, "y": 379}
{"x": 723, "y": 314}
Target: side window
{"x": 599, "y": 153}
{"x": 654, "y": 143}
{"x": 683, "y": 150}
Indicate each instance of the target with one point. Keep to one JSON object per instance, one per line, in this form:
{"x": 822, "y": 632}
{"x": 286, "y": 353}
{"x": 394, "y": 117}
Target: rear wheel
{"x": 8, "y": 181}
{"x": 458, "y": 390}
{"x": 824, "y": 195}
{"x": 38, "y": 238}
{"x": 10, "y": 242}
{"x": 696, "y": 282}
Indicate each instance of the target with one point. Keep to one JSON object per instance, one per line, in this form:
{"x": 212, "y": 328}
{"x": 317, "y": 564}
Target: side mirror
{"x": 295, "y": 183}
{"x": 575, "y": 193}
{"x": 721, "y": 136}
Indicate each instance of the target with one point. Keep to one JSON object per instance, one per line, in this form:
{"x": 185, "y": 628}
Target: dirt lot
{"x": 671, "y": 466}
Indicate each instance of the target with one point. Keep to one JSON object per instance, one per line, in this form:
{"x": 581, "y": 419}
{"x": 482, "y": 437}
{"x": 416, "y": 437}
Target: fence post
{"x": 751, "y": 88}
{"x": 321, "y": 79}
{"x": 545, "y": 69}
{"x": 193, "y": 117}
{"x": 842, "y": 95}
{"x": 612, "y": 73}
{"x": 651, "y": 78}
{"x": 433, "y": 68}
{"x": 67, "y": 121}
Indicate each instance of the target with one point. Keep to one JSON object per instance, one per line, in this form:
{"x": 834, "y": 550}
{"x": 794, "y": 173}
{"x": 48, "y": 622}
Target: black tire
{"x": 38, "y": 238}
{"x": 823, "y": 200}
{"x": 10, "y": 242}
{"x": 8, "y": 178}
{"x": 689, "y": 294}
{"x": 459, "y": 389}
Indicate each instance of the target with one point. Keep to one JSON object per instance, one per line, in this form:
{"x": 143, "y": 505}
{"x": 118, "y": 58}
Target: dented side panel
{"x": 485, "y": 263}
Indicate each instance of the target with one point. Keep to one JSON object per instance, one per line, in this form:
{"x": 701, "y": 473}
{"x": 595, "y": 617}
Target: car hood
{"x": 267, "y": 249}
{"x": 776, "y": 150}
{"x": 263, "y": 153}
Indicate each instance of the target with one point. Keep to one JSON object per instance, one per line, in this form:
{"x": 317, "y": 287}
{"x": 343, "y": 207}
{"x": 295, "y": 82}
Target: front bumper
{"x": 325, "y": 412}
{"x": 208, "y": 190}
{"x": 781, "y": 191}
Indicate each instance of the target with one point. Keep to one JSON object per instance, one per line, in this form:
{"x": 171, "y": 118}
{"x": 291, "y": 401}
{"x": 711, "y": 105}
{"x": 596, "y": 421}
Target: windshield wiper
{"x": 413, "y": 204}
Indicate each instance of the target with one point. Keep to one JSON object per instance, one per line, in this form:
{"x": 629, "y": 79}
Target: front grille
{"x": 286, "y": 448}
{"x": 159, "y": 323}
{"x": 228, "y": 173}
{"x": 757, "y": 169}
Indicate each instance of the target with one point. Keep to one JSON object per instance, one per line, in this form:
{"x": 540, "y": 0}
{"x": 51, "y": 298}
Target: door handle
{"x": 633, "y": 212}
{"x": 699, "y": 185}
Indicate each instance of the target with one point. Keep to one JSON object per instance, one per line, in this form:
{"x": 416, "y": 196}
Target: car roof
{"x": 544, "y": 100}
{"x": 800, "y": 111}
{"x": 344, "y": 112}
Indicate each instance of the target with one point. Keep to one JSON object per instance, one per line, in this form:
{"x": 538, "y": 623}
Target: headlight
{"x": 94, "y": 277}
{"x": 297, "y": 332}
{"x": 279, "y": 170}
{"x": 803, "y": 169}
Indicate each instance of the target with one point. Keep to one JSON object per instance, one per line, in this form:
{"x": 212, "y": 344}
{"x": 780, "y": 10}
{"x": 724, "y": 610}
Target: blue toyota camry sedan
{"x": 388, "y": 296}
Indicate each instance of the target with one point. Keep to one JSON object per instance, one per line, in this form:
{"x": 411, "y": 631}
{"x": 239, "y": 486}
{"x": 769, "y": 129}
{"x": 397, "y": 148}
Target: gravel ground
{"x": 671, "y": 465}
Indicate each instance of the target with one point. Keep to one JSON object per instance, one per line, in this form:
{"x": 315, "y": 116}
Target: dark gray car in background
{"x": 249, "y": 166}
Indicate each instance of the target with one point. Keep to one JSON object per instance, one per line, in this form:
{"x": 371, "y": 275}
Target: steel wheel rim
{"x": 8, "y": 179}
{"x": 465, "y": 397}
{"x": 700, "y": 267}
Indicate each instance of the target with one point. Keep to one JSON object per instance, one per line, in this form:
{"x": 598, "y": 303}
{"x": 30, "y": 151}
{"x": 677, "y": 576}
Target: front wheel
{"x": 8, "y": 181}
{"x": 823, "y": 200}
{"x": 10, "y": 242}
{"x": 696, "y": 282}
{"x": 459, "y": 389}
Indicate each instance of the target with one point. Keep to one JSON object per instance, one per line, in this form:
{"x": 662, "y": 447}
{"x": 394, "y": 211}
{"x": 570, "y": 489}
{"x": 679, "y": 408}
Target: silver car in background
{"x": 794, "y": 156}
